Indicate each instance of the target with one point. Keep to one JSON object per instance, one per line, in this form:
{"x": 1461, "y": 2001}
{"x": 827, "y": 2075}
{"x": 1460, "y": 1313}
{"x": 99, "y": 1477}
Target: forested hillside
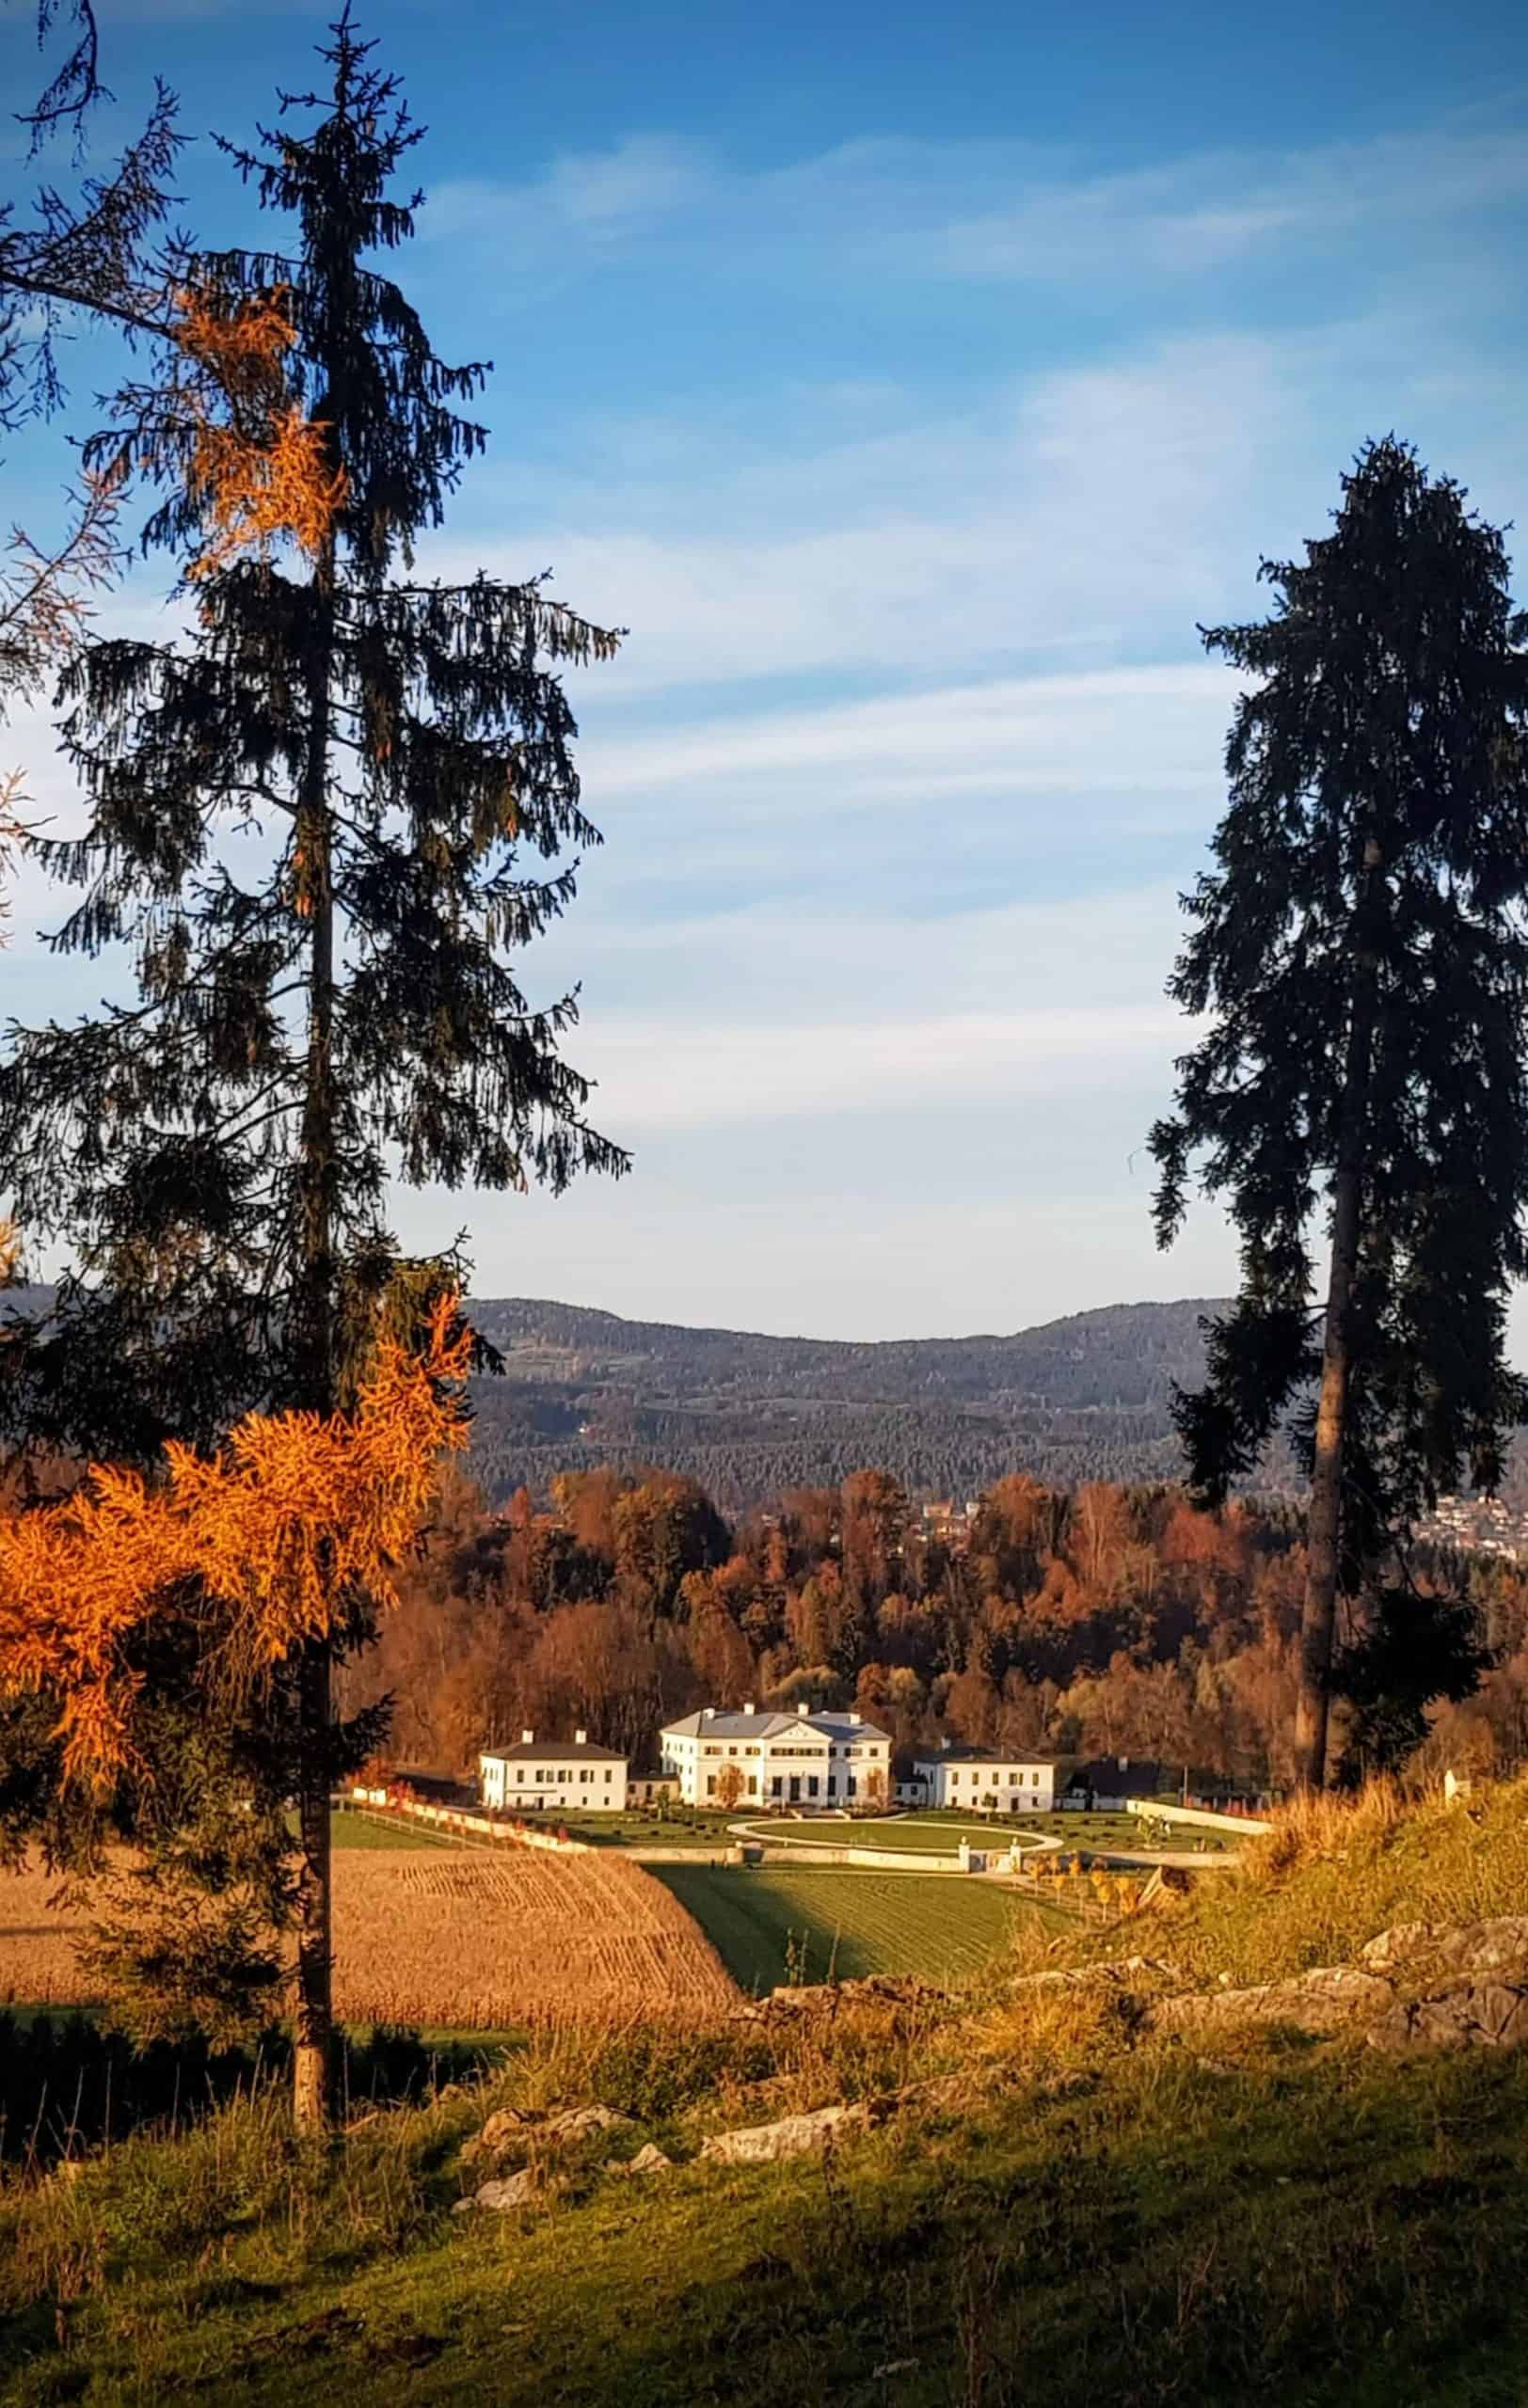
{"x": 1102, "y": 1621}
{"x": 1084, "y": 1398}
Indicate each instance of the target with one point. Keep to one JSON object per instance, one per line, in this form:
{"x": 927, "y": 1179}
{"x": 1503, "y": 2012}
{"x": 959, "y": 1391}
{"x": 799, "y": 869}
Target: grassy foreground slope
{"x": 1058, "y": 2205}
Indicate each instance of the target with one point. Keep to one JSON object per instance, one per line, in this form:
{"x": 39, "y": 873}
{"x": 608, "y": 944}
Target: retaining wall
{"x": 1243, "y": 1825}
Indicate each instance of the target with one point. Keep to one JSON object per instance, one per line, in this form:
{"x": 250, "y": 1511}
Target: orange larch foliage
{"x": 295, "y": 1514}
{"x": 256, "y": 461}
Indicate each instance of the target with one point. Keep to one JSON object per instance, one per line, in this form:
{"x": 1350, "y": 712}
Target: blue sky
{"x": 910, "y": 383}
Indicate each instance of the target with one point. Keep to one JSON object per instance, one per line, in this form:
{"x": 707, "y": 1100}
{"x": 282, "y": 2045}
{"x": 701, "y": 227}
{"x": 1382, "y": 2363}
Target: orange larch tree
{"x": 277, "y": 1534}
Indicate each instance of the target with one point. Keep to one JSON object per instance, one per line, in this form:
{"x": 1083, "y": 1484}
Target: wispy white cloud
{"x": 685, "y": 1071}
{"x": 598, "y": 196}
{"x": 1010, "y": 210}
{"x": 1073, "y": 513}
{"x": 1109, "y": 731}
{"x": 1205, "y": 212}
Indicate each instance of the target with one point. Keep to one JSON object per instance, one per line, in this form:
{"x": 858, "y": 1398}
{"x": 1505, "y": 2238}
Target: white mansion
{"x": 802, "y": 1759}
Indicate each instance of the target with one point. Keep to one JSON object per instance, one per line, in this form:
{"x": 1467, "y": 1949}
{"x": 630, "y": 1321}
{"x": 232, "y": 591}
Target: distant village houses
{"x": 1478, "y": 1525}
{"x": 946, "y": 1523}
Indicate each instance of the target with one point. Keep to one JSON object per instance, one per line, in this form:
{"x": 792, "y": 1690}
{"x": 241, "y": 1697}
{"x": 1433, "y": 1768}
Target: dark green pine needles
{"x": 1358, "y": 952}
{"x": 327, "y": 824}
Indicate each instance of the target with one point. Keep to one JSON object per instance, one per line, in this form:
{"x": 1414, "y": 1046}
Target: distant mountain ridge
{"x": 1084, "y": 1397}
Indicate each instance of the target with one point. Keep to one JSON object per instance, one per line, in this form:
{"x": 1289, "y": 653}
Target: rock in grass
{"x": 521, "y": 2189}
{"x": 518, "y": 2127}
{"x": 1395, "y": 1946}
{"x": 893, "y": 1992}
{"x": 576, "y": 2123}
{"x": 651, "y": 2160}
{"x": 1119, "y": 1973}
{"x": 506, "y": 2129}
{"x": 1467, "y": 2015}
{"x": 795, "y": 2137}
{"x": 1319, "y": 2001}
{"x": 1464, "y": 1948}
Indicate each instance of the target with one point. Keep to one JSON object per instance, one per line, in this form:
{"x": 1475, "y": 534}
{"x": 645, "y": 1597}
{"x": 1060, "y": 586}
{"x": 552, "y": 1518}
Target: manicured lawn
{"x": 908, "y": 1835}
{"x": 777, "y": 1923}
{"x": 708, "y": 1833}
{"x": 1077, "y": 1829}
{"x": 931, "y": 1833}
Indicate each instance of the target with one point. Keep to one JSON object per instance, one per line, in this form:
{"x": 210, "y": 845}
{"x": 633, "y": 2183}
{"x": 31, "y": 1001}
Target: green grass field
{"x": 932, "y": 1833}
{"x": 783, "y": 1921}
{"x": 904, "y": 1835}
{"x": 1281, "y": 2224}
{"x": 694, "y": 1828}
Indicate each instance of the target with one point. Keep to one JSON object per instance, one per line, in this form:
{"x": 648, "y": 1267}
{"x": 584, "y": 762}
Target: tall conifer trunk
{"x": 351, "y": 1013}
{"x": 314, "y": 882}
{"x": 1318, "y": 1612}
{"x": 1359, "y": 954}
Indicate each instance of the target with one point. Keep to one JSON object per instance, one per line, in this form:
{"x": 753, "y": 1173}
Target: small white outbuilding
{"x": 553, "y": 1776}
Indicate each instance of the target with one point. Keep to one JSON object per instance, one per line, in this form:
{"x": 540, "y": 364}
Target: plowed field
{"x": 514, "y": 1938}
{"x": 462, "y": 1938}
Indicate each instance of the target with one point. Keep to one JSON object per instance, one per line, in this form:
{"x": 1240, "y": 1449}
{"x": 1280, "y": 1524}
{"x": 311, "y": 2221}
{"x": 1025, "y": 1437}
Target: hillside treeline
{"x": 739, "y": 1451}
{"x": 1109, "y": 1619}
{"x": 1083, "y": 1398}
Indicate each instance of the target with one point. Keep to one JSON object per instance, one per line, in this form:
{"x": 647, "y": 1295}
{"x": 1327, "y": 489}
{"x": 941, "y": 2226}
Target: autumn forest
{"x": 1112, "y": 1620}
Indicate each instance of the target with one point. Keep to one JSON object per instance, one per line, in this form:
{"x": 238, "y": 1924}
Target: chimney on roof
{"x": 580, "y": 1738}
{"x": 707, "y": 1711}
{"x": 803, "y": 1708}
{"x": 749, "y": 1707}
{"x": 1125, "y": 1764}
{"x": 528, "y": 1738}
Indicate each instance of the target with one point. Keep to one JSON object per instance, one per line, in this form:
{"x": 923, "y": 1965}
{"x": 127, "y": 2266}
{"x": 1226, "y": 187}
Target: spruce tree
{"x": 310, "y": 821}
{"x": 1360, "y": 951}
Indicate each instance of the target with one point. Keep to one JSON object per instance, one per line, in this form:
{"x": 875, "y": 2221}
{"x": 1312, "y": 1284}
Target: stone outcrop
{"x": 520, "y": 2128}
{"x": 526, "y": 2189}
{"x": 794, "y": 2136}
{"x": 1319, "y": 2001}
{"x": 1463, "y": 1948}
{"x": 1118, "y": 1973}
{"x": 650, "y": 2160}
{"x": 894, "y": 1993}
{"x": 1467, "y": 2015}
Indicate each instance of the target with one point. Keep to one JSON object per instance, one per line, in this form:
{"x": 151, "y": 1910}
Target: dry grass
{"x": 486, "y": 1940}
{"x": 1334, "y": 1872}
{"x": 37, "y": 1933}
